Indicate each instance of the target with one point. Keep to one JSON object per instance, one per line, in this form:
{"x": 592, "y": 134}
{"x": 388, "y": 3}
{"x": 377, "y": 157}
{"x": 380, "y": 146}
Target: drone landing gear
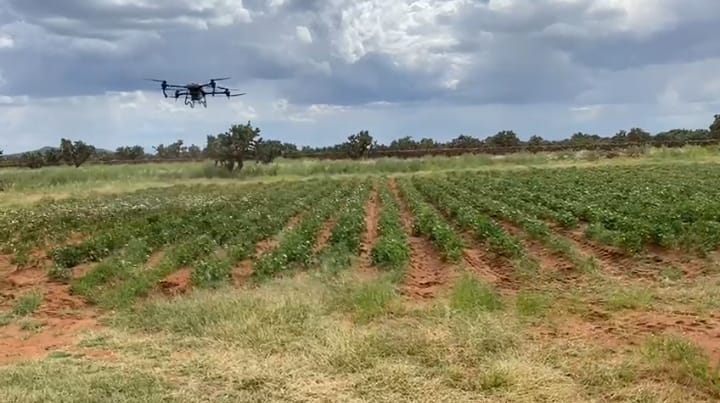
{"x": 191, "y": 103}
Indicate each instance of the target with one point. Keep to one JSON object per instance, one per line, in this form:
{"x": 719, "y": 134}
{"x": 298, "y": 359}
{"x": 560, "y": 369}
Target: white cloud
{"x": 303, "y": 34}
{"x": 6, "y": 41}
{"x": 410, "y": 33}
{"x": 421, "y": 67}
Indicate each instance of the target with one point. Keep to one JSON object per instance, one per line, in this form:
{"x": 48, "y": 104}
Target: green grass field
{"x": 548, "y": 277}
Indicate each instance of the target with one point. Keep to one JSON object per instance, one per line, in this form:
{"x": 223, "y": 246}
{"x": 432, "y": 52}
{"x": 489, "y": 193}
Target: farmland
{"x": 578, "y": 282}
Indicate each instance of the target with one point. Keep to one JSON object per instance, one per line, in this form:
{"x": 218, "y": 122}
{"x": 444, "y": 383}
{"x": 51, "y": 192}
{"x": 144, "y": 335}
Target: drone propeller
{"x": 213, "y": 80}
{"x": 235, "y": 95}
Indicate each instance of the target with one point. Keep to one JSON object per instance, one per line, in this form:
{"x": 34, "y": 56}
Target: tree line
{"x": 242, "y": 142}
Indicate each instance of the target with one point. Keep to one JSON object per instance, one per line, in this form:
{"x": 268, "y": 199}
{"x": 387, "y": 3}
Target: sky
{"x": 316, "y": 71}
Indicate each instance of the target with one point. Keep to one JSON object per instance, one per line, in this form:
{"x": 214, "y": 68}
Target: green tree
{"x": 267, "y": 150}
{"x": 75, "y": 153}
{"x": 130, "y": 153}
{"x": 427, "y": 143}
{"x": 620, "y": 137}
{"x": 52, "y": 156}
{"x": 32, "y": 160}
{"x": 358, "y": 145}
{"x": 584, "y": 139}
{"x": 176, "y": 150}
{"x": 505, "y": 138}
{"x": 232, "y": 147}
{"x": 715, "y": 128}
{"x": 404, "y": 143}
{"x": 536, "y": 141}
{"x": 465, "y": 141}
{"x": 638, "y": 135}
{"x": 194, "y": 152}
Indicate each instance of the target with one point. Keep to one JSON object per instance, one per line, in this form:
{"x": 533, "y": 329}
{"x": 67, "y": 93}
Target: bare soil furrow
{"x": 550, "y": 262}
{"x": 179, "y": 282}
{"x": 61, "y": 316}
{"x": 242, "y": 272}
{"x": 493, "y": 269}
{"x": 372, "y": 216}
{"x": 612, "y": 260}
{"x": 427, "y": 273}
{"x": 324, "y": 235}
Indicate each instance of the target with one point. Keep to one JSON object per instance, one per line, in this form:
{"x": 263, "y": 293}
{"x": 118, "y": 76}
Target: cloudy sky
{"x": 318, "y": 70}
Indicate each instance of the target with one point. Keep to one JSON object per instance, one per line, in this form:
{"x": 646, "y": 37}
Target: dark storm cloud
{"x": 361, "y": 51}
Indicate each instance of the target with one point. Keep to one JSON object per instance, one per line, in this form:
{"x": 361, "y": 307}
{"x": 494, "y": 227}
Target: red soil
{"x": 550, "y": 262}
{"x": 427, "y": 274}
{"x": 372, "y": 216}
{"x": 323, "y": 235}
{"x": 243, "y": 271}
{"x": 61, "y": 316}
{"x": 177, "y": 283}
{"x": 492, "y": 269}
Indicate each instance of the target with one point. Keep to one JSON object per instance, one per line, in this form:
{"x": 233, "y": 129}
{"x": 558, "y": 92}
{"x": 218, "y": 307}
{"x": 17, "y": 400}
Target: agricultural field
{"x": 573, "y": 283}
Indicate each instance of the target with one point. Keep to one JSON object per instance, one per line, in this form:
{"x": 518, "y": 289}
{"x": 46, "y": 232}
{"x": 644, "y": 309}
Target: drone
{"x": 195, "y": 93}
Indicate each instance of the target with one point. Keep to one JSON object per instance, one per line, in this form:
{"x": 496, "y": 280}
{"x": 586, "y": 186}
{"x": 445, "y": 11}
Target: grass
{"x": 25, "y": 185}
{"x": 27, "y": 303}
{"x": 329, "y": 334}
{"x": 333, "y": 336}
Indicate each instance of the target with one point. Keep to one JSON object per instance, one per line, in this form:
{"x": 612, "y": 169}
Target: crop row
{"x": 629, "y": 207}
{"x": 460, "y": 207}
{"x": 430, "y": 224}
{"x": 346, "y": 234}
{"x": 392, "y": 249}
{"x": 514, "y": 212}
{"x": 232, "y": 229}
{"x": 296, "y": 247}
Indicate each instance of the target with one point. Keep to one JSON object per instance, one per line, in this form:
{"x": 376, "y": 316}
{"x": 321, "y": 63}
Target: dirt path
{"x": 427, "y": 273}
{"x": 55, "y": 324}
{"x": 372, "y": 216}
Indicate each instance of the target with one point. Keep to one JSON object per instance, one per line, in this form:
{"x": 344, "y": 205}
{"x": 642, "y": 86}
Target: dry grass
{"x": 341, "y": 338}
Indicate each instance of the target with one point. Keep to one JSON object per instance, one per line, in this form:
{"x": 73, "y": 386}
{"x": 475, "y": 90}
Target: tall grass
{"x": 64, "y": 177}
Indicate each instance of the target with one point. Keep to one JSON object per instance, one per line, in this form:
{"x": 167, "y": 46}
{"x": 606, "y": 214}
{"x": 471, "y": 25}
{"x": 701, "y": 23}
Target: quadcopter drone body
{"x": 195, "y": 93}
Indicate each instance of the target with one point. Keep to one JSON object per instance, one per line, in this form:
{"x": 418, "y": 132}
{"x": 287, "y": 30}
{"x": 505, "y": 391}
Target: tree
{"x": 358, "y": 145}
{"x": 536, "y": 141}
{"x": 465, "y": 141}
{"x": 232, "y": 147}
{"x": 175, "y": 150}
{"x": 160, "y": 150}
{"x": 620, "y": 137}
{"x": 130, "y": 153}
{"x": 715, "y": 128}
{"x": 75, "y": 153}
{"x": 584, "y": 139}
{"x": 638, "y": 135}
{"x": 267, "y": 150}
{"x": 194, "y": 152}
{"x": 32, "y": 160}
{"x": 505, "y": 138}
{"x": 427, "y": 143}
{"x": 52, "y": 156}
{"x": 404, "y": 143}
